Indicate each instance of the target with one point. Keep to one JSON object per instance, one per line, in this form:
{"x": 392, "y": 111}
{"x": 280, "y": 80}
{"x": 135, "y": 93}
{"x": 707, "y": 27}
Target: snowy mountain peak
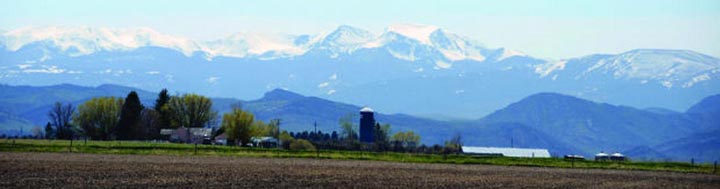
{"x": 671, "y": 68}
{"x": 404, "y": 41}
{"x": 86, "y": 40}
{"x": 344, "y": 39}
{"x": 417, "y": 32}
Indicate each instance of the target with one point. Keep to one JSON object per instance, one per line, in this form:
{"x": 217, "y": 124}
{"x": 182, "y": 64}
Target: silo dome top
{"x": 617, "y": 155}
{"x": 601, "y": 154}
{"x": 366, "y": 109}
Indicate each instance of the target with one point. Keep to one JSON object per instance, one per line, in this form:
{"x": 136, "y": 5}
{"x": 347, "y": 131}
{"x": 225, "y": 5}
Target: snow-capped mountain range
{"x": 78, "y": 41}
{"x": 439, "y": 69}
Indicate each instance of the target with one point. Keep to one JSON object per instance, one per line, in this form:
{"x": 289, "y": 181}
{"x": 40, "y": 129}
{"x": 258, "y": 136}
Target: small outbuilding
{"x": 188, "y": 135}
{"x": 265, "y": 142}
{"x": 220, "y": 139}
{"x": 617, "y": 156}
{"x": 574, "y": 157}
{"x": 602, "y": 156}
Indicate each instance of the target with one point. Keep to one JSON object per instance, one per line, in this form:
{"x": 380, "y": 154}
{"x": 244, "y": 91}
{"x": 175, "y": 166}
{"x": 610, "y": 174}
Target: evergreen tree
{"x": 160, "y": 104}
{"x": 381, "y": 142}
{"x": 129, "y": 127}
{"x": 49, "y": 131}
{"x": 334, "y": 136}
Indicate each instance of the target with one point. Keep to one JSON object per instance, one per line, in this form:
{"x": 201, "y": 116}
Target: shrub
{"x": 301, "y": 144}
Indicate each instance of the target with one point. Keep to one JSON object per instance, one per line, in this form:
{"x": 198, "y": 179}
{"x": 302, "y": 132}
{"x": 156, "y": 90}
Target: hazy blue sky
{"x": 550, "y": 29}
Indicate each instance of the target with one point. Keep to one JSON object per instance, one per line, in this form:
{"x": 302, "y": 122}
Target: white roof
{"x": 366, "y": 109}
{"x": 166, "y": 131}
{"x": 509, "y": 152}
{"x": 263, "y": 139}
{"x": 617, "y": 155}
{"x": 601, "y": 154}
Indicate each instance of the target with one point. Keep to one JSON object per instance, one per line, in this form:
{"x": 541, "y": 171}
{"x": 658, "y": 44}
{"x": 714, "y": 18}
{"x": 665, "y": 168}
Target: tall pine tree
{"x": 129, "y": 126}
{"x": 160, "y": 104}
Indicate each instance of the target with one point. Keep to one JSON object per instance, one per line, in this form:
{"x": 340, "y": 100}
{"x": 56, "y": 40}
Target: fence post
{"x": 196, "y": 148}
{"x": 715, "y": 167}
{"x": 572, "y": 162}
{"x": 692, "y": 161}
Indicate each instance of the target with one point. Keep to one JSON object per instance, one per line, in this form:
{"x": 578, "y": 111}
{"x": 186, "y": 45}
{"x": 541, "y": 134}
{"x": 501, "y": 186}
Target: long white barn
{"x": 508, "y": 152}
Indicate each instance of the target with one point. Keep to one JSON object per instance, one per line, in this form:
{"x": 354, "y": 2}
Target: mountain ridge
{"x": 449, "y": 70}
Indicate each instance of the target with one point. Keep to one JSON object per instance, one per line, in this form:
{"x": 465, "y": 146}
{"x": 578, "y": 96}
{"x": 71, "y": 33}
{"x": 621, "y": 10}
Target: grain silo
{"x": 367, "y": 124}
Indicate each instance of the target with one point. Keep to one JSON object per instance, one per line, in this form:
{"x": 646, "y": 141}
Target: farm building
{"x": 220, "y": 139}
{"x": 188, "y": 135}
{"x": 507, "y": 152}
{"x": 617, "y": 157}
{"x": 602, "y": 156}
{"x": 367, "y": 124}
{"x": 265, "y": 142}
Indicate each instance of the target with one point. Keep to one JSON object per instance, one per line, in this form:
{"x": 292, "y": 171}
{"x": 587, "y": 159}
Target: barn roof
{"x": 509, "y": 152}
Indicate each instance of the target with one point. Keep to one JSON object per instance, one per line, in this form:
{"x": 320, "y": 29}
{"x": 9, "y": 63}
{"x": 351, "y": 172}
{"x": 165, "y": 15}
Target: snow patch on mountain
{"x": 549, "y": 67}
{"x": 212, "y": 80}
{"x": 510, "y": 53}
{"x": 253, "y": 44}
{"x": 455, "y": 47}
{"x": 45, "y": 69}
{"x": 442, "y": 65}
{"x": 696, "y": 79}
{"x": 323, "y": 84}
{"x": 420, "y": 33}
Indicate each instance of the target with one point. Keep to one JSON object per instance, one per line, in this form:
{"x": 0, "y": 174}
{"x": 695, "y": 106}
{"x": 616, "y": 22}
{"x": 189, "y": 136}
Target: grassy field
{"x": 151, "y": 148}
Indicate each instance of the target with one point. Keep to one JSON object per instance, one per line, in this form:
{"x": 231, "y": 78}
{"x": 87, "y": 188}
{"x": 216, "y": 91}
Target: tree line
{"x": 113, "y": 118}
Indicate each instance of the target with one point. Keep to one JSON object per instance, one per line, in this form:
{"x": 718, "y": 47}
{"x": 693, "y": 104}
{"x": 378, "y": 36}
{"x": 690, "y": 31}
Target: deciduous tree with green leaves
{"x": 237, "y": 125}
{"x": 190, "y": 110}
{"x": 98, "y": 117}
{"x": 406, "y": 139}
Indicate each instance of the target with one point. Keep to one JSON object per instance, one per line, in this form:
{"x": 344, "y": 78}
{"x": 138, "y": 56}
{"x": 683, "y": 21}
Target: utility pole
{"x": 317, "y": 148}
{"x": 692, "y": 161}
{"x": 279, "y": 142}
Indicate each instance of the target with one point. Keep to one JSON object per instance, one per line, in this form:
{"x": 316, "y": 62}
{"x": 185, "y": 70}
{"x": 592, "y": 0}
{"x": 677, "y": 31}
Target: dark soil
{"x": 71, "y": 170}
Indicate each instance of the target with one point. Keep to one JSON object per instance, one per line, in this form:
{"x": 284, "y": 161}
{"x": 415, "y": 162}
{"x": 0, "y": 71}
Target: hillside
{"x": 300, "y": 113}
{"x": 593, "y": 127}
